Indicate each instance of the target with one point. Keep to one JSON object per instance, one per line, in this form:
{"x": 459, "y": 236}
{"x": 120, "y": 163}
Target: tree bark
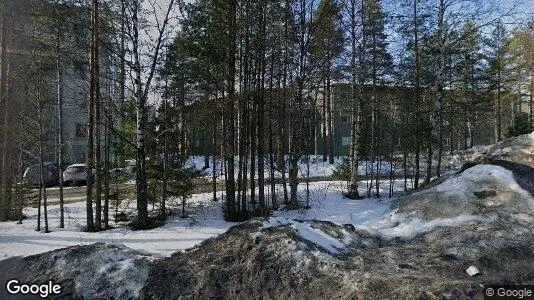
{"x": 230, "y": 136}
{"x": 90, "y": 134}
{"x": 355, "y": 113}
{"x": 60, "y": 129}
{"x": 261, "y": 116}
{"x": 42, "y": 183}
{"x": 329, "y": 120}
{"x": 417, "y": 95}
{"x": 98, "y": 150}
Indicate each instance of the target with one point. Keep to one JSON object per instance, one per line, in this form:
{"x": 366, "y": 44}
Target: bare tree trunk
{"x": 107, "y": 158}
{"x": 21, "y": 186}
{"x": 163, "y": 209}
{"x": 5, "y": 114}
{"x": 122, "y": 67}
{"x": 141, "y": 94}
{"x": 417, "y": 94}
{"x": 498, "y": 110}
{"x": 296, "y": 128}
{"x": 429, "y": 151}
{"x": 214, "y": 162}
{"x": 274, "y": 204}
{"x": 141, "y": 182}
{"x": 60, "y": 130}
{"x": 325, "y": 122}
{"x": 42, "y": 183}
{"x": 230, "y": 136}
{"x": 261, "y": 117}
{"x": 329, "y": 120}
{"x": 242, "y": 143}
{"x": 3, "y": 99}
{"x": 90, "y": 134}
{"x": 252, "y": 137}
{"x": 355, "y": 113}
{"x": 283, "y": 135}
{"x": 98, "y": 148}
{"x": 440, "y": 87}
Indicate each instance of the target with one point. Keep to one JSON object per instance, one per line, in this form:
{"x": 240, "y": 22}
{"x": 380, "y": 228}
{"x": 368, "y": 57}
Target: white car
{"x": 76, "y": 174}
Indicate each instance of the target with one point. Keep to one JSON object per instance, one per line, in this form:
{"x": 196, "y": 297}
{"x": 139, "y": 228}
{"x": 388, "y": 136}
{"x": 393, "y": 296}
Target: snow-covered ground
{"x": 317, "y": 167}
{"x": 206, "y": 220}
{"x": 326, "y": 201}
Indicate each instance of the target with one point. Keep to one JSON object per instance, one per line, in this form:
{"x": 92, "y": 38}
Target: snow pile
{"x": 475, "y": 195}
{"x": 111, "y": 272}
{"x": 388, "y": 225}
{"x": 97, "y": 271}
{"x": 478, "y": 190}
{"x": 518, "y": 149}
{"x": 466, "y": 182}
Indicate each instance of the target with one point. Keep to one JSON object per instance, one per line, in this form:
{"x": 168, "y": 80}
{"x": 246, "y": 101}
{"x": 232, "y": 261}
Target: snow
{"x": 206, "y": 219}
{"x": 318, "y": 237}
{"x": 523, "y": 144}
{"x": 119, "y": 268}
{"x": 462, "y": 185}
{"x": 177, "y": 234}
{"x": 373, "y": 215}
{"x": 407, "y": 227}
{"x": 317, "y": 167}
{"x": 313, "y": 235}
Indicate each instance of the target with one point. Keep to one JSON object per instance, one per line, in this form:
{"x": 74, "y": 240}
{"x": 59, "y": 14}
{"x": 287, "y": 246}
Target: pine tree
{"x": 497, "y": 61}
{"x": 326, "y": 45}
{"x": 377, "y": 63}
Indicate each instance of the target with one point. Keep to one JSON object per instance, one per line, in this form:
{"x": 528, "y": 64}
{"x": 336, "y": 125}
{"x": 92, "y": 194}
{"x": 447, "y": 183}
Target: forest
{"x": 266, "y": 149}
{"x": 258, "y": 88}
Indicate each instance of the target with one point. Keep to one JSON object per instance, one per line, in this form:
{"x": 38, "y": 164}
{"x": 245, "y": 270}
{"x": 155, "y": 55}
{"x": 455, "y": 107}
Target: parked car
{"x": 50, "y": 175}
{"x": 76, "y": 174}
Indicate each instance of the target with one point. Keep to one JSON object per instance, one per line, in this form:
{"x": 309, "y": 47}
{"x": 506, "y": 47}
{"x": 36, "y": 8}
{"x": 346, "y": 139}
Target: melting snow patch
{"x": 310, "y": 234}
{"x": 410, "y": 227}
{"x": 318, "y": 237}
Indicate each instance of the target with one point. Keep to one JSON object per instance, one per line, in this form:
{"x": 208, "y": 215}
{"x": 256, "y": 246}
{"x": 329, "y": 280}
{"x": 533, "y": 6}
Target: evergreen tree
{"x": 497, "y": 59}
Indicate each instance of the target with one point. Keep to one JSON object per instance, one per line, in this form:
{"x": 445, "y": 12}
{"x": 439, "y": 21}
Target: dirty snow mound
{"x": 479, "y": 190}
{"x": 518, "y": 149}
{"x": 98, "y": 271}
{"x": 289, "y": 259}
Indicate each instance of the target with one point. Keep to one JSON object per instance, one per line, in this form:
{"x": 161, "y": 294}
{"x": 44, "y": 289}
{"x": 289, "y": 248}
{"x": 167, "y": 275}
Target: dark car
{"x": 50, "y": 175}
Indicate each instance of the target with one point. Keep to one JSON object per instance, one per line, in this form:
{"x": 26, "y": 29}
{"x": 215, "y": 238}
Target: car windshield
{"x": 76, "y": 169}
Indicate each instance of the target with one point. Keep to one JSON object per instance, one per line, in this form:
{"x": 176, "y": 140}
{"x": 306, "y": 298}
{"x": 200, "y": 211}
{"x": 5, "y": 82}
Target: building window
{"x": 446, "y": 142}
{"x": 81, "y": 99}
{"x": 81, "y": 131}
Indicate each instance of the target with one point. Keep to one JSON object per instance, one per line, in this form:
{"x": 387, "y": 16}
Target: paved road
{"x": 77, "y": 194}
